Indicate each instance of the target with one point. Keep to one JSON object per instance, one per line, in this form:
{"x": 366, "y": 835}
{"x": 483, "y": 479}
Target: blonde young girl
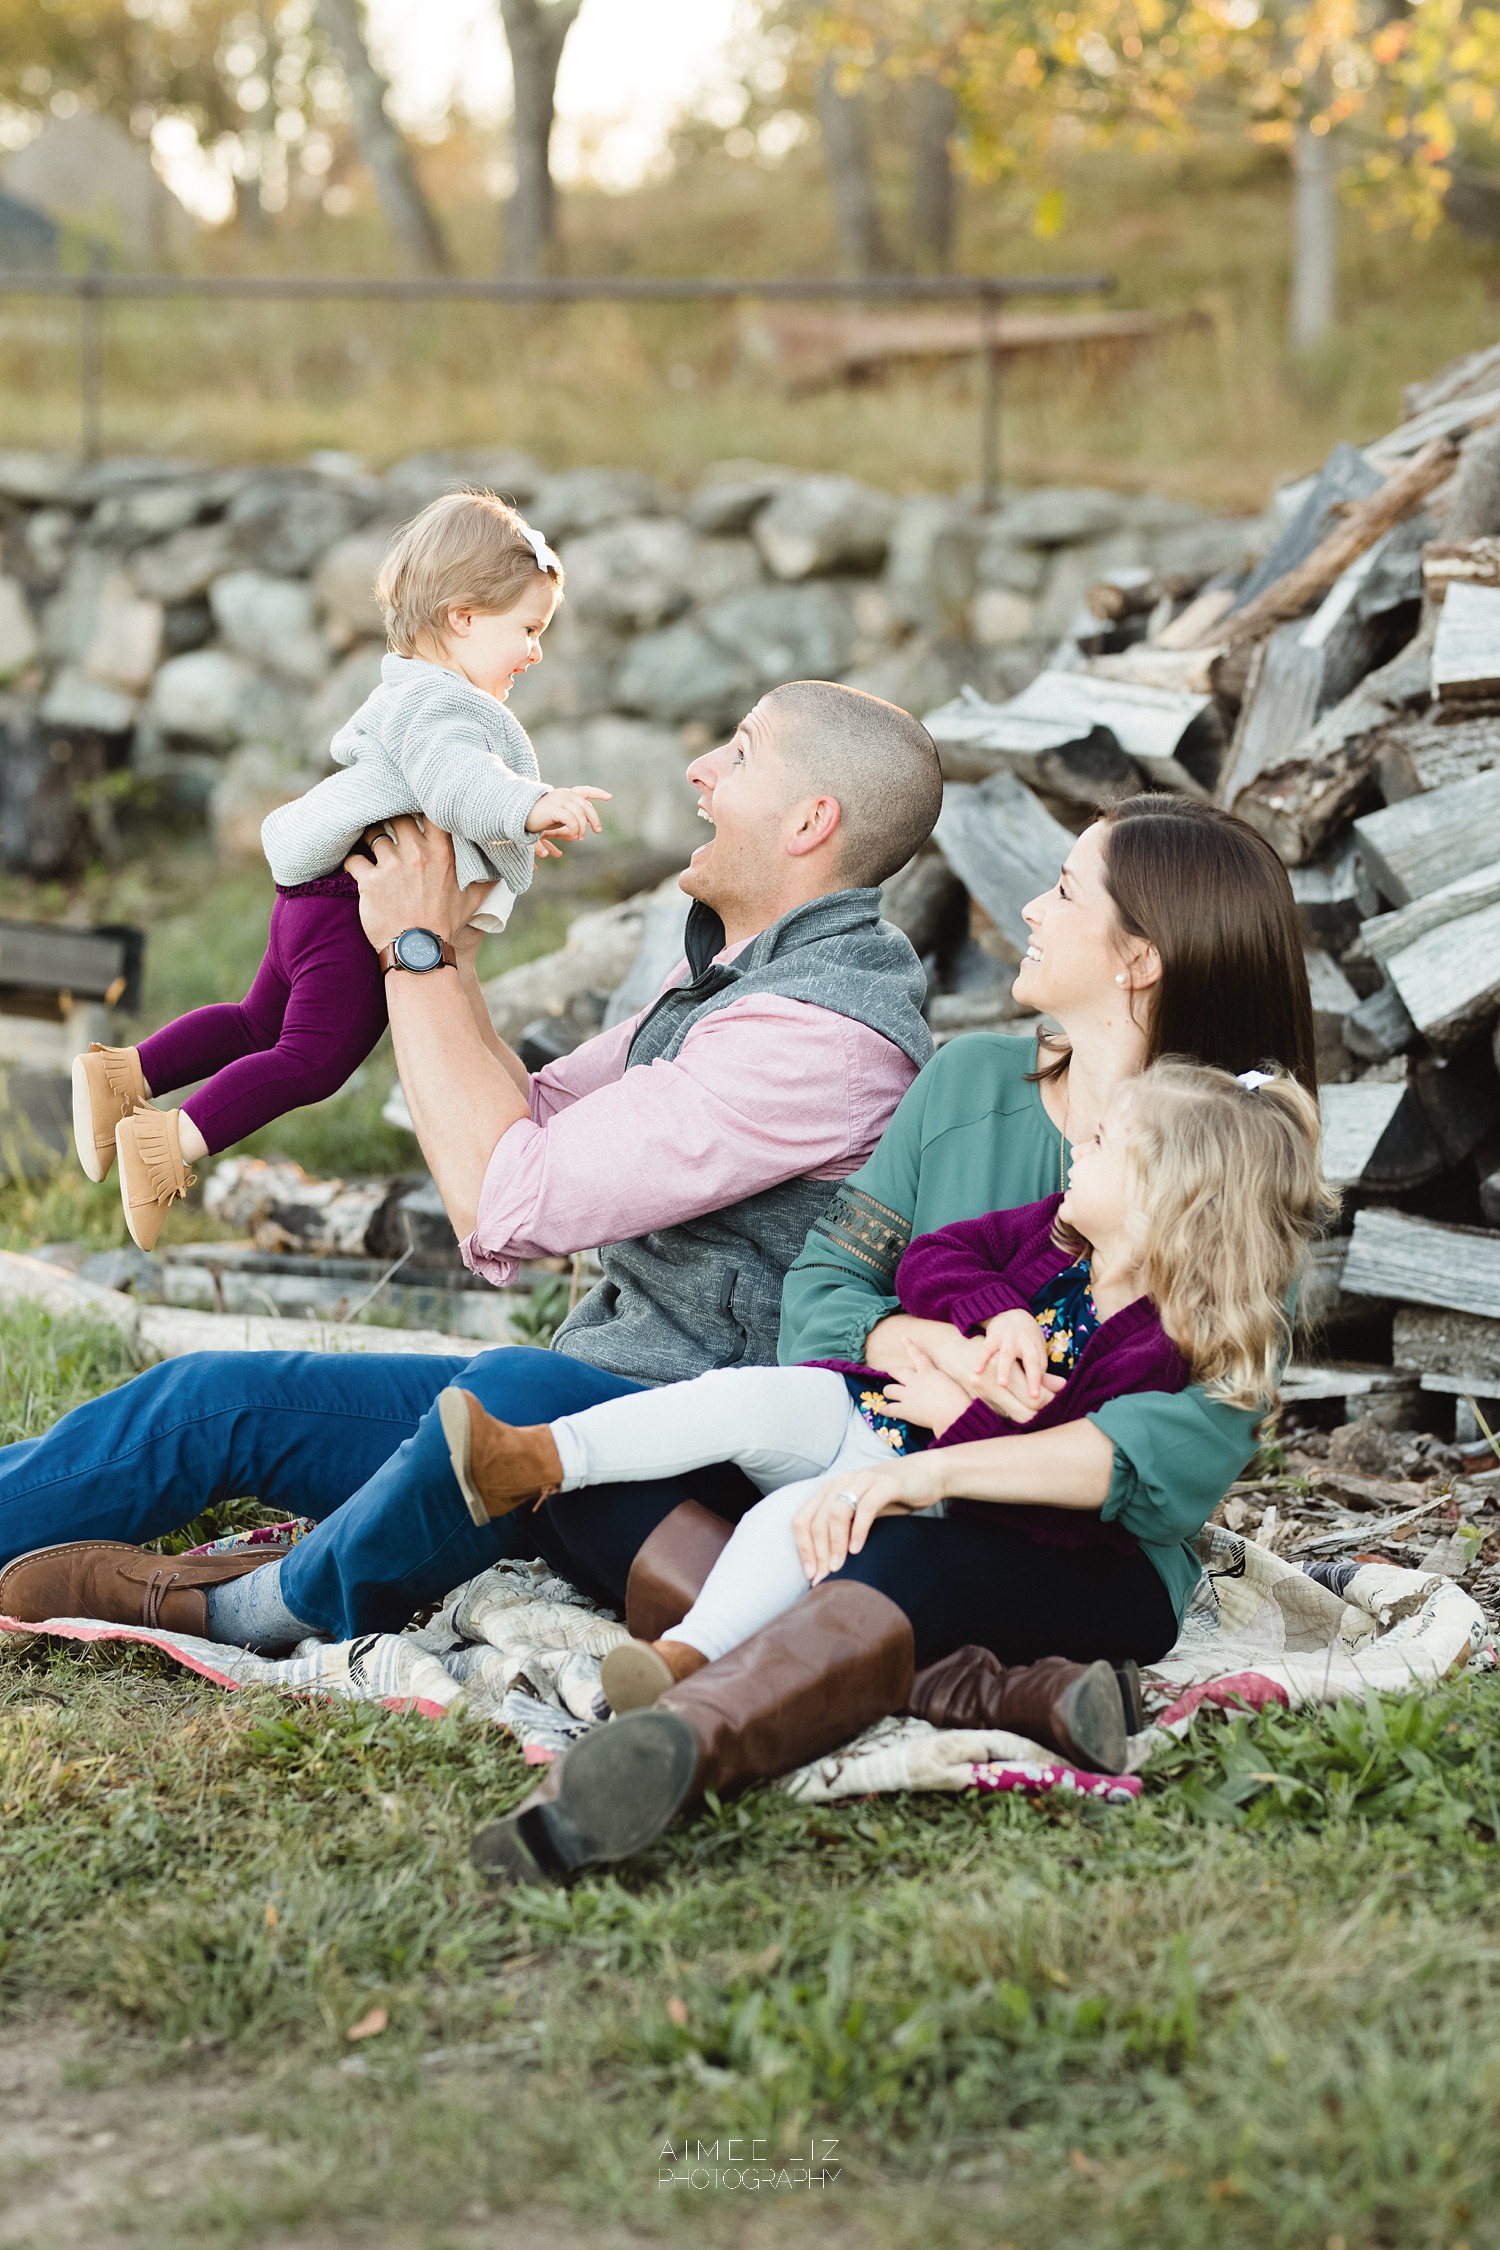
{"x": 1169, "y": 1261}
{"x": 468, "y": 590}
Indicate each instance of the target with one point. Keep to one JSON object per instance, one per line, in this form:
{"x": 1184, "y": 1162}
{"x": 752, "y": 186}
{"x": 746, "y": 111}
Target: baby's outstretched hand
{"x": 565, "y": 814}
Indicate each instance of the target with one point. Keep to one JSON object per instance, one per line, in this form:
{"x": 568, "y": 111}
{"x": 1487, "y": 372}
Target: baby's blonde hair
{"x": 468, "y": 549}
{"x": 1226, "y": 1190}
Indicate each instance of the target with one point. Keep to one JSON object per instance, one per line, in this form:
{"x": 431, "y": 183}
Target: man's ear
{"x": 813, "y": 823}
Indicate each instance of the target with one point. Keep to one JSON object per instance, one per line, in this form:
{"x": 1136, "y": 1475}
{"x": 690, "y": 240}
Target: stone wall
{"x": 180, "y": 644}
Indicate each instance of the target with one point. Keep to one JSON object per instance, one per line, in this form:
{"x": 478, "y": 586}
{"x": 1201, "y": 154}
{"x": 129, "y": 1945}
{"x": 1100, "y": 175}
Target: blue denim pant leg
{"x": 296, "y": 1430}
{"x": 406, "y": 1539}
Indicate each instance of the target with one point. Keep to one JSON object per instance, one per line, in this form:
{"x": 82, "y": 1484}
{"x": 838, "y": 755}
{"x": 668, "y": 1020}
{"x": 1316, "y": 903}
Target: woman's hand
{"x": 827, "y": 1530}
{"x": 903, "y": 1345}
{"x": 1011, "y": 1371}
{"x": 927, "y": 1396}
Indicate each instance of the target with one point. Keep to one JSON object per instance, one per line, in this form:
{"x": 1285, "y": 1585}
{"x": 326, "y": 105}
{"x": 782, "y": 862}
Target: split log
{"x": 1385, "y": 1135}
{"x": 1466, "y": 654}
{"x": 1334, "y": 897}
{"x": 1346, "y": 476}
{"x": 927, "y": 903}
{"x": 1385, "y": 935}
{"x": 1449, "y": 978}
{"x": 1380, "y": 1026}
{"x": 1426, "y": 842}
{"x": 1198, "y": 620}
{"x": 1455, "y": 562}
{"x": 1333, "y": 1000}
{"x": 1151, "y": 725}
{"x": 1183, "y": 671}
{"x": 1358, "y": 529}
{"x": 1434, "y": 1341}
{"x": 1324, "y": 1307}
{"x": 1423, "y": 430}
{"x": 1376, "y": 1394}
{"x": 1071, "y": 757}
{"x": 1004, "y": 847}
{"x": 1421, "y": 1262}
{"x": 1419, "y": 754}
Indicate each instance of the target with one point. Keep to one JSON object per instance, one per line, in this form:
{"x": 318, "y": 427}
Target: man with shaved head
{"x": 697, "y": 1143}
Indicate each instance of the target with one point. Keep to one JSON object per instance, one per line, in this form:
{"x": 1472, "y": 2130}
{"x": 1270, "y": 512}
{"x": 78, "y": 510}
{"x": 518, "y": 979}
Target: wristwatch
{"x": 417, "y": 949}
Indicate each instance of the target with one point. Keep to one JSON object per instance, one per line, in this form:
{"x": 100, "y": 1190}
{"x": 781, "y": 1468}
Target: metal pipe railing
{"x": 93, "y": 291}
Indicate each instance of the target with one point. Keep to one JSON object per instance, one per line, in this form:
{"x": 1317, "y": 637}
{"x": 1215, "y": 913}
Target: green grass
{"x": 1261, "y": 2007}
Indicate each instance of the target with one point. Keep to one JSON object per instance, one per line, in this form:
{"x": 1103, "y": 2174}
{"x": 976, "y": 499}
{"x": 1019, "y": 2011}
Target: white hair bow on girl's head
{"x": 545, "y": 558}
{"x": 1250, "y": 1079}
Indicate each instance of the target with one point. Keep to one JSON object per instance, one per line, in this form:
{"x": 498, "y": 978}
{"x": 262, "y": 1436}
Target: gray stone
{"x": 1074, "y": 570}
{"x": 344, "y": 583}
{"x": 1205, "y": 550}
{"x": 124, "y": 647}
{"x": 135, "y": 519}
{"x": 286, "y": 520}
{"x": 213, "y": 697}
{"x": 36, "y": 478}
{"x": 732, "y": 494}
{"x": 680, "y": 674}
{"x": 577, "y": 675}
{"x": 421, "y": 478}
{"x": 644, "y": 766}
{"x": 924, "y": 672}
{"x": 20, "y": 643}
{"x": 1059, "y": 516}
{"x": 1003, "y": 563}
{"x": 597, "y": 956}
{"x": 931, "y": 570}
{"x": 580, "y": 500}
{"x": 788, "y": 633}
{"x": 251, "y": 782}
{"x": 353, "y": 678}
{"x": 1152, "y": 511}
{"x": 69, "y": 618}
{"x": 182, "y": 568}
{"x": 723, "y": 568}
{"x": 49, "y": 540}
{"x": 999, "y": 618}
{"x": 77, "y": 700}
{"x": 270, "y": 620}
{"x": 633, "y": 574}
{"x": 819, "y": 524}
{"x": 88, "y": 485}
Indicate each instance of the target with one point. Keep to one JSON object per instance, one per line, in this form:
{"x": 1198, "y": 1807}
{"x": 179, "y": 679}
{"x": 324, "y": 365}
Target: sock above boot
{"x": 249, "y": 1613}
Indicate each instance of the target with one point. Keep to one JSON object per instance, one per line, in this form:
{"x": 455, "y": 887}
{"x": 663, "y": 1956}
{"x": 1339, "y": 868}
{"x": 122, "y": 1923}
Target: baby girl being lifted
{"x": 468, "y": 590}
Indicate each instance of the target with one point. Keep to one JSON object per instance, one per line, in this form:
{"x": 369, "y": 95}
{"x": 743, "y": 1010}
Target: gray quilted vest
{"x": 708, "y": 1293}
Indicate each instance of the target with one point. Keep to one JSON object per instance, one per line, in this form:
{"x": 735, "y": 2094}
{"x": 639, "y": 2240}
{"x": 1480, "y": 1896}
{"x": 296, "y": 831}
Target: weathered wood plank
{"x": 1003, "y": 846}
{"x": 1387, "y": 934}
{"x": 1455, "y": 562}
{"x": 1387, "y": 1133}
{"x": 1420, "y": 1262}
{"x": 1148, "y": 723}
{"x": 1426, "y": 842}
{"x": 1418, "y": 754}
{"x": 1074, "y": 759}
{"x": 45, "y": 956}
{"x": 1379, "y": 1026}
{"x": 1333, "y": 999}
{"x": 1334, "y": 896}
{"x": 1449, "y": 978}
{"x": 1466, "y": 653}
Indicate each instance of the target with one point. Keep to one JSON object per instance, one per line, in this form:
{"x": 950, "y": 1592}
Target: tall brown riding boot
{"x": 813, "y": 1678}
{"x": 1078, "y": 1710}
{"x": 671, "y": 1568}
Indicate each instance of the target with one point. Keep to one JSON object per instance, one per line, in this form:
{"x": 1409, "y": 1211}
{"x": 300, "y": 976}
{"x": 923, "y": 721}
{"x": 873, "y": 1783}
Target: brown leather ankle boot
{"x": 123, "y": 1584}
{"x": 638, "y": 1673}
{"x": 496, "y": 1466}
{"x": 671, "y": 1568}
{"x": 817, "y": 1675}
{"x": 1075, "y": 1709}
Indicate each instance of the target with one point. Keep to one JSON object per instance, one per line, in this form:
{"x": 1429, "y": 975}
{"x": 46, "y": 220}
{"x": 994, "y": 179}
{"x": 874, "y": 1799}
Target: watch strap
{"x": 388, "y": 959}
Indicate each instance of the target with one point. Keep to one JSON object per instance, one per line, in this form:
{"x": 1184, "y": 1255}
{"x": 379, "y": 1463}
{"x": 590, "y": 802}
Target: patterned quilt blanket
{"x": 522, "y": 1648}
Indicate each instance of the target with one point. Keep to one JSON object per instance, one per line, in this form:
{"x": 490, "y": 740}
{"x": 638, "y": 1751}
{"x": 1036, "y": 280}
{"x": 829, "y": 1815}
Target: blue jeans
{"x": 352, "y": 1440}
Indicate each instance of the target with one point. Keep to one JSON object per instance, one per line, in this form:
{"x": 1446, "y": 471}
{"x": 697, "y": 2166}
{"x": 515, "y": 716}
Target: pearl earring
{"x": 1120, "y": 979}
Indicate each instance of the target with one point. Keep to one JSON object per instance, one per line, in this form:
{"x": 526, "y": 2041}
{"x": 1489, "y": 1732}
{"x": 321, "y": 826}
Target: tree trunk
{"x": 407, "y": 212}
{"x": 536, "y": 32}
{"x": 1314, "y": 238}
{"x": 933, "y": 188}
{"x": 856, "y": 211}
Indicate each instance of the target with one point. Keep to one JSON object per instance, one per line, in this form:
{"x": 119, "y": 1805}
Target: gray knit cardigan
{"x": 425, "y": 742}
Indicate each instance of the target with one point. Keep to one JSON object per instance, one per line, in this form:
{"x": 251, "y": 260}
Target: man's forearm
{"x": 473, "y": 992}
{"x": 1069, "y": 1467}
{"x": 462, "y": 1096}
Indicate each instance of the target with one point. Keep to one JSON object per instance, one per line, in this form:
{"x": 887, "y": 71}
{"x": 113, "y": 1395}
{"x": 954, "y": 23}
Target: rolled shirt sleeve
{"x": 762, "y": 1091}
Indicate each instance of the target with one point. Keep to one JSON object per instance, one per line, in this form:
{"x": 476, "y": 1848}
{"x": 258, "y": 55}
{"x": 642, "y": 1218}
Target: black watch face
{"x": 419, "y": 949}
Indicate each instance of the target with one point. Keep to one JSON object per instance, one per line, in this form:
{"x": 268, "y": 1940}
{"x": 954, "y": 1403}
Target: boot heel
{"x": 1128, "y": 1673}
{"x": 1094, "y": 1716}
{"x": 616, "y": 1791}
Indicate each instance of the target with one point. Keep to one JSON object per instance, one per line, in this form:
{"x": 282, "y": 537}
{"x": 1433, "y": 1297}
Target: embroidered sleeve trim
{"x": 866, "y": 1231}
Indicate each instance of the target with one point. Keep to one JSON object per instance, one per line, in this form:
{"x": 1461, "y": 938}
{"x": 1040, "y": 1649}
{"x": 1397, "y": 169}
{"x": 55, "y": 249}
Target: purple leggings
{"x": 315, "y": 1010}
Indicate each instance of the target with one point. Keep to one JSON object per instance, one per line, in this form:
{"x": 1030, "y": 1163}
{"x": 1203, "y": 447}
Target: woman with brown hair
{"x": 1171, "y": 931}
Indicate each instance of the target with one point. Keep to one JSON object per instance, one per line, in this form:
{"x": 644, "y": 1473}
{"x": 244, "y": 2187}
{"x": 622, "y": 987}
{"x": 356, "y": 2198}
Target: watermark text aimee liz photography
{"x": 740, "y": 2163}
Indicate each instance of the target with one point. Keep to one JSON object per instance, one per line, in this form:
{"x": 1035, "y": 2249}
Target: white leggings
{"x": 787, "y": 1427}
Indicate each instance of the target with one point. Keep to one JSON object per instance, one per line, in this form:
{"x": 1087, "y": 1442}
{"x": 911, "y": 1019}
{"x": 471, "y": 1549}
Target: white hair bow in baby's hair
{"x": 545, "y": 558}
{"x": 1250, "y": 1079}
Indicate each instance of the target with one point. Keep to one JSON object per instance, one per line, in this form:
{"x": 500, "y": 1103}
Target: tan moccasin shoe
{"x": 122, "y": 1584}
{"x": 107, "y": 1088}
{"x": 152, "y": 1173}
{"x": 497, "y": 1466}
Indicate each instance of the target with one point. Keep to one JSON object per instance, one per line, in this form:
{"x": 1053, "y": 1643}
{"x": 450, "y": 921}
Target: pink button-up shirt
{"x": 763, "y": 1090}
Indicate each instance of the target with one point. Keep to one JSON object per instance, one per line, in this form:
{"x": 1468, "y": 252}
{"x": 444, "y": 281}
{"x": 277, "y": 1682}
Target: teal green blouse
{"x": 971, "y": 1135}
